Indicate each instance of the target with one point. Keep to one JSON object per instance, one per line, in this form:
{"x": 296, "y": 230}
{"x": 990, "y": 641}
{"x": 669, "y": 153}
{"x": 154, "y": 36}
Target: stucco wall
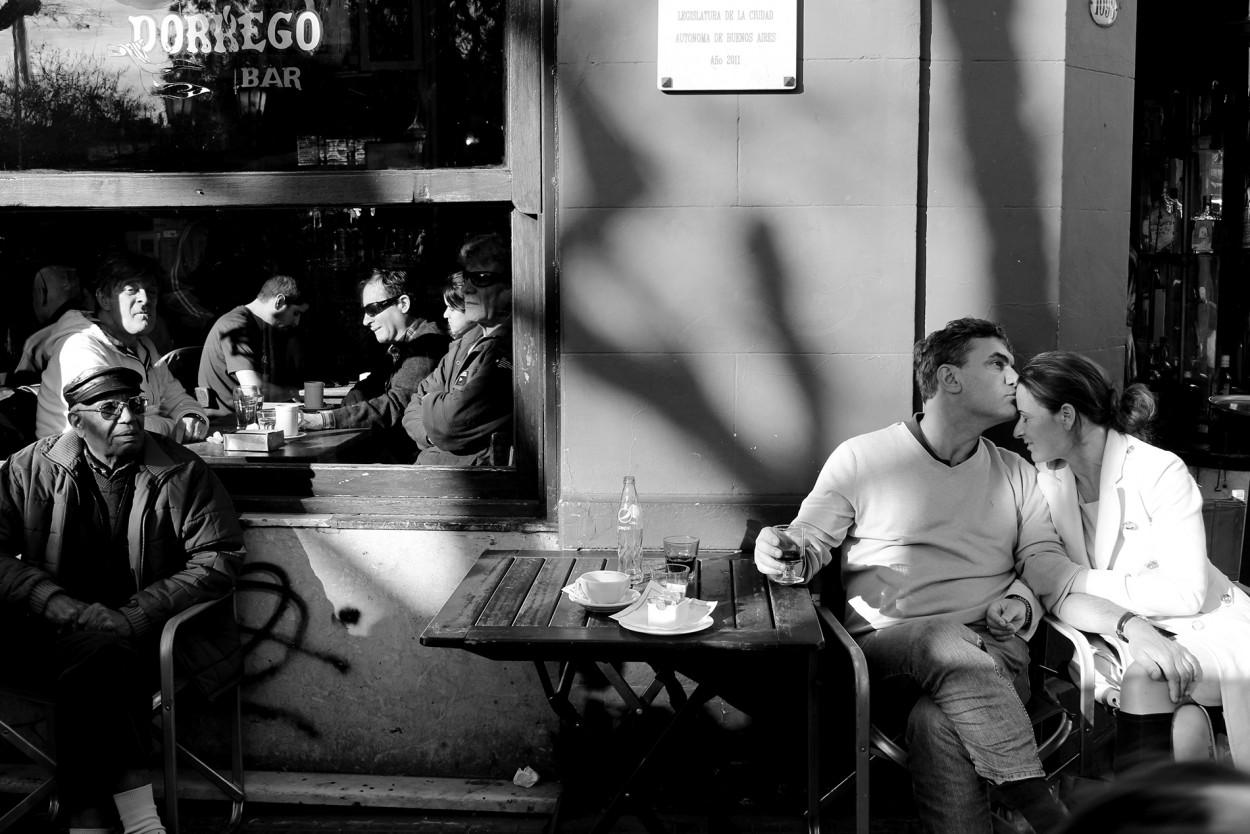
{"x": 336, "y": 678}
{"x": 737, "y": 271}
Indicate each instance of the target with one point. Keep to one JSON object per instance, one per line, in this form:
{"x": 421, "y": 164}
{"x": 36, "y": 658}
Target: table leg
{"x": 623, "y": 688}
{"x": 559, "y": 697}
{"x": 702, "y": 694}
{"x": 813, "y": 746}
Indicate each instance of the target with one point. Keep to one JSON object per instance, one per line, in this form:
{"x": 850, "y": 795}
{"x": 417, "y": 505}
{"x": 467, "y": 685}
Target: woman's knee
{"x": 1142, "y": 695}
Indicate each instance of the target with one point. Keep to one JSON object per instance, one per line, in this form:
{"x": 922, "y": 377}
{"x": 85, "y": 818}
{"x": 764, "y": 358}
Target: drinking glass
{"x": 266, "y": 419}
{"x": 793, "y": 544}
{"x": 681, "y": 550}
{"x": 674, "y": 579}
{"x": 246, "y": 399}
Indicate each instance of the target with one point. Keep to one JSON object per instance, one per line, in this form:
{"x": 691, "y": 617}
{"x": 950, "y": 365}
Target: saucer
{"x": 689, "y": 628}
{"x": 608, "y": 607}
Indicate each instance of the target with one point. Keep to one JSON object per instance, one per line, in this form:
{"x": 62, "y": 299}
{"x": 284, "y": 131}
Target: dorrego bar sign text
{"x": 727, "y": 45}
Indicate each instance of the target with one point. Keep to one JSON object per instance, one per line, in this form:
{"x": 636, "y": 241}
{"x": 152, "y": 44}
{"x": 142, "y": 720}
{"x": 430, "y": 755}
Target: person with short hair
{"x": 1130, "y": 516}
{"x": 239, "y": 347}
{"x": 117, "y": 335}
{"x": 947, "y": 555}
{"x": 57, "y": 292}
{"x": 461, "y": 414}
{"x": 414, "y": 346}
{"x": 106, "y": 532}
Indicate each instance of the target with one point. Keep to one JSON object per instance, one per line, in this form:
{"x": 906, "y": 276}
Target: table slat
{"x": 465, "y": 603}
{"x": 716, "y": 583}
{"x": 751, "y": 597}
{"x": 511, "y": 592}
{"x": 545, "y": 594}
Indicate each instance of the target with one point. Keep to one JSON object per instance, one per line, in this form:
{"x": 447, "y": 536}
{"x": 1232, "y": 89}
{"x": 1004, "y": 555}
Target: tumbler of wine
{"x": 793, "y": 542}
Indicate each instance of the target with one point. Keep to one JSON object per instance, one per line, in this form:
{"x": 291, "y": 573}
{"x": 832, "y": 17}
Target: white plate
{"x": 706, "y": 622}
{"x": 609, "y": 607}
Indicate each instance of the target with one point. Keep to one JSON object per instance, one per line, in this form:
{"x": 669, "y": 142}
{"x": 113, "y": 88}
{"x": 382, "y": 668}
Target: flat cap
{"x": 91, "y": 385}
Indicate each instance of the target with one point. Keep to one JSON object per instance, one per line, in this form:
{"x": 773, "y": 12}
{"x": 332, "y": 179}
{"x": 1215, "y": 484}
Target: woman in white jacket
{"x": 1131, "y": 514}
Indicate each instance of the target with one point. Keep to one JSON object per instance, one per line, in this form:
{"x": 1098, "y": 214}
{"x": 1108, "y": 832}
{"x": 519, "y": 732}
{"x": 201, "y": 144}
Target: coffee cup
{"x": 314, "y": 395}
{"x": 286, "y": 417}
{"x": 604, "y": 587}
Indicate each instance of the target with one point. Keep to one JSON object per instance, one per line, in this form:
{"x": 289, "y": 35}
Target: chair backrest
{"x": 184, "y": 364}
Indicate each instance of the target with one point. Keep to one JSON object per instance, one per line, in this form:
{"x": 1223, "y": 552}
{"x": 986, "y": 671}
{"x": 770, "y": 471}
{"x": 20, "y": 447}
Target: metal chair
{"x": 184, "y": 364}
{"x": 164, "y": 713}
{"x": 1051, "y": 721}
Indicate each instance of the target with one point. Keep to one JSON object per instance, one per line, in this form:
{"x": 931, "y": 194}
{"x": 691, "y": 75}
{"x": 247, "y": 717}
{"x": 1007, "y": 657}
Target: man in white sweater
{"x": 937, "y": 528}
{"x": 117, "y": 336}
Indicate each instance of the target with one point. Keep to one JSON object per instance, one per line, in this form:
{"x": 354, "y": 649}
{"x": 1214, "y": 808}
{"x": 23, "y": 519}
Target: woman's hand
{"x": 1162, "y": 658}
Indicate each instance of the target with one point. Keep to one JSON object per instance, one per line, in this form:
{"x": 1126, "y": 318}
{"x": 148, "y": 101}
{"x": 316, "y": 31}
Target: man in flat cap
{"x": 107, "y": 531}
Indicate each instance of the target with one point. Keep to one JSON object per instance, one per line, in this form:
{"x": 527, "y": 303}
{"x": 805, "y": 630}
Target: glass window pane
{"x": 214, "y": 262}
{"x": 277, "y": 85}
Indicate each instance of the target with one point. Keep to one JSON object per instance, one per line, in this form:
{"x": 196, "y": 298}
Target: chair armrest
{"x": 859, "y": 664}
{"x": 169, "y": 634}
{"x": 1084, "y": 657}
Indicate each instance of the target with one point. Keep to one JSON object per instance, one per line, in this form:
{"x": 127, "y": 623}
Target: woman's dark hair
{"x": 453, "y": 297}
{"x": 1058, "y": 376}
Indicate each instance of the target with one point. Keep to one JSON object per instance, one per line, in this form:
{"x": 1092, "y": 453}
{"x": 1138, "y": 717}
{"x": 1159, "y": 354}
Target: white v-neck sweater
{"x": 923, "y": 539}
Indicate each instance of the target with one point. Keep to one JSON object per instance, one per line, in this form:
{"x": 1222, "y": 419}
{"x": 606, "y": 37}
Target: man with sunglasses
{"x": 243, "y": 347}
{"x": 106, "y": 532}
{"x": 461, "y": 415}
{"x": 414, "y": 345}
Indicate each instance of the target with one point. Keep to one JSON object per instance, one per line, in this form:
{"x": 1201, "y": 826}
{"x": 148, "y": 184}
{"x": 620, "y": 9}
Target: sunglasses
{"x": 112, "y": 409}
{"x": 372, "y": 309}
{"x": 483, "y": 279}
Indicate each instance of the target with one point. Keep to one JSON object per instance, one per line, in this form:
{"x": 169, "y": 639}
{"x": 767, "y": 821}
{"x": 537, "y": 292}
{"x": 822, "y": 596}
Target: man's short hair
{"x": 949, "y": 346}
{"x": 487, "y": 251}
{"x": 283, "y": 285}
{"x": 394, "y": 282}
{"x": 124, "y": 267}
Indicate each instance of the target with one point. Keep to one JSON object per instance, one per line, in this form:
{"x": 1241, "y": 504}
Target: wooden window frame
{"x": 381, "y": 494}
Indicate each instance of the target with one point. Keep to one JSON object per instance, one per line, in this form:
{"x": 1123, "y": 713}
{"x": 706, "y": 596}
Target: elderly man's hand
{"x": 62, "y": 609}
{"x": 97, "y": 617}
{"x": 767, "y": 552}
{"x": 312, "y": 422}
{"x": 1005, "y": 617}
{"x": 194, "y": 429}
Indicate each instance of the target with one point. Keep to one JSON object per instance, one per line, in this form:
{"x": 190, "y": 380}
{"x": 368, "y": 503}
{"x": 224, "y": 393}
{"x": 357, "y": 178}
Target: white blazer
{"x": 1150, "y": 556}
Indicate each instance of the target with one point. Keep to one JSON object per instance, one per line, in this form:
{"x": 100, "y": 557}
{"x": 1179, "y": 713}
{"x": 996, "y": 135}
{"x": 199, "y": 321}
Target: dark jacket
{"x": 184, "y": 537}
{"x": 467, "y": 399}
{"x": 379, "y": 400}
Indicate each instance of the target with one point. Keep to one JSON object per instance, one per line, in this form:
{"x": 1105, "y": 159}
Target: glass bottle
{"x": 629, "y": 532}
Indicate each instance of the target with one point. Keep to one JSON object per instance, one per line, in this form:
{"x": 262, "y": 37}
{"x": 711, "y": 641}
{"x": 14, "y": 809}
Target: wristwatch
{"x": 1119, "y": 627}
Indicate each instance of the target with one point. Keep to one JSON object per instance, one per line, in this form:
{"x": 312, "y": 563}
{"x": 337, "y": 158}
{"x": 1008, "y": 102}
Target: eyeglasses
{"x": 373, "y": 308}
{"x": 112, "y": 409}
{"x": 483, "y": 279}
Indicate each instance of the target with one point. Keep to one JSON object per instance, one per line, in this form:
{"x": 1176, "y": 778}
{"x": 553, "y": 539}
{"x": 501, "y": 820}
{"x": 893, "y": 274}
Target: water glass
{"x": 673, "y": 579}
{"x": 266, "y": 419}
{"x": 793, "y": 545}
{"x": 246, "y": 400}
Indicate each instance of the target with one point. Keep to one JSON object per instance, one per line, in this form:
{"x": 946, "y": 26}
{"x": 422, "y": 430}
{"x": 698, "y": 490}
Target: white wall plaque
{"x": 728, "y": 45}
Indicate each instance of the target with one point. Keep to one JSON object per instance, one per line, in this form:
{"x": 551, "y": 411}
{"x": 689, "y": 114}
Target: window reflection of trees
{"x": 440, "y": 82}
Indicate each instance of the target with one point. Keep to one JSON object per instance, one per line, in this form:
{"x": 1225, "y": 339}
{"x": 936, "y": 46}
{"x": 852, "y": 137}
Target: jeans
{"x": 968, "y": 725}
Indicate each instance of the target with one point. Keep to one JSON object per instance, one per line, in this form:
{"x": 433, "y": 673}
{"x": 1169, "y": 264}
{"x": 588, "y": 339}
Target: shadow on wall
{"x": 1003, "y": 154}
{"x": 586, "y": 237}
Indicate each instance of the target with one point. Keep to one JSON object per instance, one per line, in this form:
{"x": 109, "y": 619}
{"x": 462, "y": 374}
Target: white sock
{"x": 137, "y": 809}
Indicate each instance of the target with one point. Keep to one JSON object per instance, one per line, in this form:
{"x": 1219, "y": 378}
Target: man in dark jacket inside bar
{"x": 414, "y": 346}
{"x": 106, "y": 532}
{"x": 461, "y": 415}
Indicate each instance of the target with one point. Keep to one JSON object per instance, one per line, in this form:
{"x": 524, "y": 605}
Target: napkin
{"x": 687, "y": 612}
